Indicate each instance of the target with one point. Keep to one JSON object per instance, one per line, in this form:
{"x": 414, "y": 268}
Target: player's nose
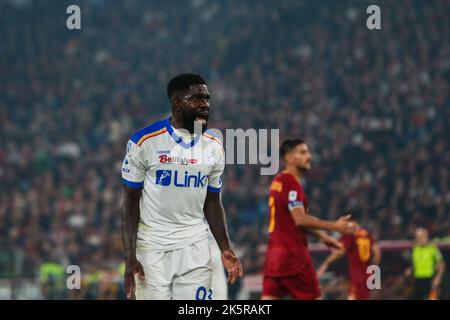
{"x": 203, "y": 108}
{"x": 204, "y": 103}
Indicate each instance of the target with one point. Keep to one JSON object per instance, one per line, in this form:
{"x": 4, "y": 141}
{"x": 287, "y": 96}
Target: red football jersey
{"x": 287, "y": 251}
{"x": 358, "y": 247}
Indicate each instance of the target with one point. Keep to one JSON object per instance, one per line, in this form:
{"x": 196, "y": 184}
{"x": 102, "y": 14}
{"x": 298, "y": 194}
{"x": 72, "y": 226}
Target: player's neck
{"x": 178, "y": 124}
{"x": 293, "y": 171}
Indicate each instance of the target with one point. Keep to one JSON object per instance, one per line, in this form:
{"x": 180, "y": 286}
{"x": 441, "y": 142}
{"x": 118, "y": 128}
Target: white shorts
{"x": 180, "y": 274}
{"x": 219, "y": 279}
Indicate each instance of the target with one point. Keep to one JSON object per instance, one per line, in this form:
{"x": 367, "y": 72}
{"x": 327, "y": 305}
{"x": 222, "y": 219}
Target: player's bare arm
{"x": 215, "y": 215}
{"x": 438, "y": 277}
{"x": 342, "y": 225}
{"x": 130, "y": 221}
{"x": 325, "y": 238}
{"x": 335, "y": 255}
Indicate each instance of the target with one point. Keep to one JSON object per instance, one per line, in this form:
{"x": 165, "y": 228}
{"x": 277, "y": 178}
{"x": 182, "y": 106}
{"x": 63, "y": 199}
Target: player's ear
{"x": 176, "y": 103}
{"x": 288, "y": 157}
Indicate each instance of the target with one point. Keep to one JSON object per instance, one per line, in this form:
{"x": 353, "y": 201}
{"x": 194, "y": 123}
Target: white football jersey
{"x": 175, "y": 176}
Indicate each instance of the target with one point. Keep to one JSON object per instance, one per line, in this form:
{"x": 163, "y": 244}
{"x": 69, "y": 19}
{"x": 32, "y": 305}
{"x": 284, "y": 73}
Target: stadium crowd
{"x": 373, "y": 105}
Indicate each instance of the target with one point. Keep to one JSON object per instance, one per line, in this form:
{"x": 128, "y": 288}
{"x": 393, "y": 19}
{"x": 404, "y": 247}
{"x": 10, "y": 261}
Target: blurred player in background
{"x": 428, "y": 267}
{"x": 172, "y": 183}
{"x": 362, "y": 251}
{"x": 288, "y": 267}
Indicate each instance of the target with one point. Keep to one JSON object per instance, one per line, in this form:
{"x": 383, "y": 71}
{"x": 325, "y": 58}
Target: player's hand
{"x": 408, "y": 272}
{"x": 132, "y": 267}
{"x": 343, "y": 225}
{"x": 232, "y": 264}
{"x": 331, "y": 242}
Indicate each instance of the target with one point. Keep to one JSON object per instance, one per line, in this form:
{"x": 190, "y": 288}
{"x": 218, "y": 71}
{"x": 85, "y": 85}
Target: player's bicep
{"x": 213, "y": 199}
{"x": 297, "y": 214}
{"x": 132, "y": 194}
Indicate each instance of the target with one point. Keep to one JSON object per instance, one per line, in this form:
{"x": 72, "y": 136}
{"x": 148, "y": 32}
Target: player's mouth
{"x": 202, "y": 118}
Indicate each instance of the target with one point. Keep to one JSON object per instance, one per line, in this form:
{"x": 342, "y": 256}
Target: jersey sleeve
{"x": 294, "y": 195}
{"x": 133, "y": 166}
{"x": 214, "y": 180}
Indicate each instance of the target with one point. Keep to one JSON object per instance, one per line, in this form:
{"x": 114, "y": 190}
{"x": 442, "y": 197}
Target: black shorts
{"x": 422, "y": 288}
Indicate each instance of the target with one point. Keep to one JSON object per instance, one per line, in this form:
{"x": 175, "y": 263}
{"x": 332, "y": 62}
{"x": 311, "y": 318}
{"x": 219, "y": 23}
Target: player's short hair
{"x": 288, "y": 145}
{"x": 182, "y": 82}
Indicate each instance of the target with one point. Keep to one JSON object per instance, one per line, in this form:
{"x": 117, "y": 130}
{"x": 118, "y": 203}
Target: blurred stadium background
{"x": 374, "y": 106}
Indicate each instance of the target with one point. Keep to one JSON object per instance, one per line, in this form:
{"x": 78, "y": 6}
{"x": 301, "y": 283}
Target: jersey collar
{"x": 178, "y": 139}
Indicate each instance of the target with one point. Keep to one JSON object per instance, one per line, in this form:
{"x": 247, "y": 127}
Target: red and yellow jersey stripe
{"x": 151, "y": 135}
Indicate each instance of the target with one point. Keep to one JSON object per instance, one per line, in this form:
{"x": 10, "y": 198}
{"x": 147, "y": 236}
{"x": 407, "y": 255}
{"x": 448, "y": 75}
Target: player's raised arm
{"x": 215, "y": 215}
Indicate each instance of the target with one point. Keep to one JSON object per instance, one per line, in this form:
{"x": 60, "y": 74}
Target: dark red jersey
{"x": 358, "y": 248}
{"x": 287, "y": 251}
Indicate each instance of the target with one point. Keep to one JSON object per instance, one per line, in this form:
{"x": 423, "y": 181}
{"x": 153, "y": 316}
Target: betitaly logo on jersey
{"x": 164, "y": 158}
{"x": 164, "y": 178}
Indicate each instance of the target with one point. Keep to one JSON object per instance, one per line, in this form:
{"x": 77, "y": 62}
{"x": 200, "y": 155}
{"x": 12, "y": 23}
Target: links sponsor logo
{"x": 186, "y": 180}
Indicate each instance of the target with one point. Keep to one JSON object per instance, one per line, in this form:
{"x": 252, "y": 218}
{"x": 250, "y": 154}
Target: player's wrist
{"x": 130, "y": 258}
{"x": 226, "y": 249}
{"x": 334, "y": 226}
{"x": 224, "y": 246}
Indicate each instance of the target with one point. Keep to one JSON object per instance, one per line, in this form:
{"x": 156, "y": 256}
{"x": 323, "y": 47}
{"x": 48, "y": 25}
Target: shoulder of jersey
{"x": 213, "y": 136}
{"x": 285, "y": 177}
{"x": 153, "y": 130}
{"x": 277, "y": 182}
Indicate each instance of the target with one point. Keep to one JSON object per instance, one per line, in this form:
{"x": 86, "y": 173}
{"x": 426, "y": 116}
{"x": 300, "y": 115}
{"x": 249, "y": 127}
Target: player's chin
{"x": 306, "y": 167}
{"x": 204, "y": 127}
{"x": 201, "y": 121}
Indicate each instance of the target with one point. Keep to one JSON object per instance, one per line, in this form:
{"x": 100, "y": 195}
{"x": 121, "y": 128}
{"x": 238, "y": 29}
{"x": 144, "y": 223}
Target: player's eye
{"x": 199, "y": 98}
